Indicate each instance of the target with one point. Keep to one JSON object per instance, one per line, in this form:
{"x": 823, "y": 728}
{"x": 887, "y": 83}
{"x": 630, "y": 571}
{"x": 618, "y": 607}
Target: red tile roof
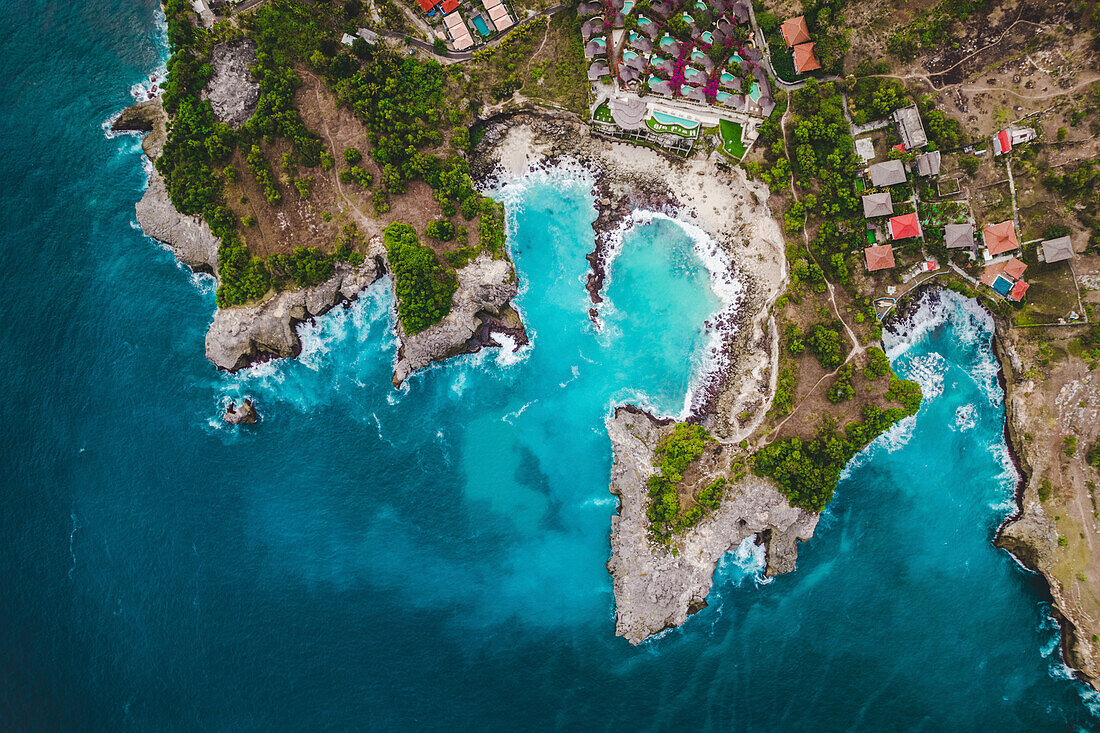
{"x": 804, "y": 59}
{"x": 899, "y": 146}
{"x": 427, "y": 5}
{"x": 1006, "y": 140}
{"x": 904, "y": 226}
{"x": 879, "y": 257}
{"x": 1000, "y": 237}
{"x": 795, "y": 31}
{"x": 1014, "y": 268}
{"x": 1018, "y": 290}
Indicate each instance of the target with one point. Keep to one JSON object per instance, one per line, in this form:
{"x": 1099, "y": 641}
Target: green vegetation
{"x": 440, "y": 229}
{"x": 826, "y": 344}
{"x": 1045, "y": 490}
{"x": 877, "y": 364}
{"x": 807, "y": 471}
{"x": 932, "y": 29}
{"x": 674, "y": 454}
{"x": 1069, "y": 445}
{"x": 842, "y": 389}
{"x": 731, "y": 138}
{"x": 872, "y": 98}
{"x": 423, "y": 287}
{"x": 785, "y": 385}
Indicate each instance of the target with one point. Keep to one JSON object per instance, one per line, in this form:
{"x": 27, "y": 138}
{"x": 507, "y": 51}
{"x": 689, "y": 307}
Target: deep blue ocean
{"x": 434, "y": 557}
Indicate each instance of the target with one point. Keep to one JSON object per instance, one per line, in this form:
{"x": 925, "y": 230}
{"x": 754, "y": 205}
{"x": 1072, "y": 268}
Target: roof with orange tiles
{"x": 804, "y": 59}
{"x": 1014, "y": 268}
{"x": 880, "y": 257}
{"x": 1018, "y": 291}
{"x": 1000, "y": 237}
{"x": 794, "y": 30}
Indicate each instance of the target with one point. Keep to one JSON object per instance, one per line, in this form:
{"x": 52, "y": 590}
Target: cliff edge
{"x": 658, "y": 587}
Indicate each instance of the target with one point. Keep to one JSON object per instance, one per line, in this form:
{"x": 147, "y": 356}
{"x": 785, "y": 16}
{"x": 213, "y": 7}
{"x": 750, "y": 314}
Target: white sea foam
{"x": 973, "y": 322}
{"x": 965, "y": 418}
{"x": 576, "y": 372}
{"x": 512, "y": 416}
{"x": 510, "y": 353}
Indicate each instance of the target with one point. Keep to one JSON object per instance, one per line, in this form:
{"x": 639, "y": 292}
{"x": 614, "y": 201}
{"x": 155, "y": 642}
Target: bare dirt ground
{"x": 318, "y": 220}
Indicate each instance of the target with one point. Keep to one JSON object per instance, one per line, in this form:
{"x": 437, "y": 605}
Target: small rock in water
{"x": 246, "y": 413}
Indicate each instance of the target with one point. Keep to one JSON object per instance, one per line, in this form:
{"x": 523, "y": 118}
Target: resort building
{"x": 877, "y": 204}
{"x": 457, "y": 30}
{"x": 499, "y": 16}
{"x": 905, "y": 226}
{"x": 1000, "y": 238}
{"x": 794, "y": 31}
{"x": 959, "y": 236}
{"x": 887, "y": 173}
{"x": 804, "y": 59}
{"x": 879, "y": 257}
{"x": 1056, "y": 250}
{"x": 910, "y": 128}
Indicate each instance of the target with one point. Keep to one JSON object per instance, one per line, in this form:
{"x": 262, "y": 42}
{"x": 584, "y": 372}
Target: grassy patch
{"x": 731, "y": 138}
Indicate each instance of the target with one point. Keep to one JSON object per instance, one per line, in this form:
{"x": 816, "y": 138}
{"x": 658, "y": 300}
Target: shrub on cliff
{"x": 423, "y": 286}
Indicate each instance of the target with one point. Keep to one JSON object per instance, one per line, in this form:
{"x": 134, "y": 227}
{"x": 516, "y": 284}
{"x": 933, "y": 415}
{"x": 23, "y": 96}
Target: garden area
{"x": 731, "y": 138}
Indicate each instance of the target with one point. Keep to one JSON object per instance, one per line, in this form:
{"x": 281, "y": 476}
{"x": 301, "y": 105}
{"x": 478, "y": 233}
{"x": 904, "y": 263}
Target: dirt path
{"x": 367, "y": 225}
{"x": 1088, "y": 80}
{"x": 857, "y": 348}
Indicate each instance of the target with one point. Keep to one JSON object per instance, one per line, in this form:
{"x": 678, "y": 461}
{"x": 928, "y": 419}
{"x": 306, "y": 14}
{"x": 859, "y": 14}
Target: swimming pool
{"x": 668, "y": 41}
{"x": 654, "y": 81}
{"x": 755, "y": 93}
{"x": 1002, "y": 285}
{"x": 707, "y": 37}
{"x": 723, "y": 96}
{"x": 688, "y": 19}
{"x": 479, "y": 23}
{"x": 628, "y": 5}
{"x": 697, "y": 55}
{"x": 642, "y": 20}
{"x": 728, "y": 77}
{"x": 673, "y": 120}
{"x": 627, "y": 55}
{"x": 691, "y": 72}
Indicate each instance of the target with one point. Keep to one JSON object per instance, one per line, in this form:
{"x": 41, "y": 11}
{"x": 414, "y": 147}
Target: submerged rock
{"x": 235, "y": 415}
{"x": 656, "y": 589}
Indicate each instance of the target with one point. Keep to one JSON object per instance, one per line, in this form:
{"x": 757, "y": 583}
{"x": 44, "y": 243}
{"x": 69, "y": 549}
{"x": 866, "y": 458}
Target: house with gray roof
{"x": 887, "y": 173}
{"x": 928, "y": 164}
{"x": 910, "y": 127}
{"x": 877, "y": 204}
{"x": 598, "y": 69}
{"x": 1056, "y": 250}
{"x": 959, "y": 236}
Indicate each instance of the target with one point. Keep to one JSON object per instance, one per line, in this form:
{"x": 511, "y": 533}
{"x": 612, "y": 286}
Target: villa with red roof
{"x": 1018, "y": 290}
{"x": 1000, "y": 238}
{"x": 904, "y": 226}
{"x": 804, "y": 59}
{"x": 879, "y": 257}
{"x": 794, "y": 31}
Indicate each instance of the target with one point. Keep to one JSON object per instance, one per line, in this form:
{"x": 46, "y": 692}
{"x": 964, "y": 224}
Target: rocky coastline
{"x": 1028, "y": 533}
{"x": 657, "y": 588}
{"x": 242, "y": 336}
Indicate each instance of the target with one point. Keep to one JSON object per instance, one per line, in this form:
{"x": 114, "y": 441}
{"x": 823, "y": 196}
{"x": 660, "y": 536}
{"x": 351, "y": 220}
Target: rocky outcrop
{"x": 142, "y": 117}
{"x": 481, "y": 306}
{"x": 189, "y": 237}
{"x": 239, "y": 337}
{"x": 1038, "y": 413}
{"x": 656, "y": 589}
{"x": 245, "y": 414}
{"x": 231, "y": 90}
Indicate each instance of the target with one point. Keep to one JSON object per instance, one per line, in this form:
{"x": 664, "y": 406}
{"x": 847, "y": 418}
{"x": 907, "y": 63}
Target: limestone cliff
{"x": 1052, "y": 531}
{"x": 657, "y": 589}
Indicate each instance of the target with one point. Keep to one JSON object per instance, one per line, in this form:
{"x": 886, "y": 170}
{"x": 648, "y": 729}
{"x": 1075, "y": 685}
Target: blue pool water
{"x": 674, "y": 120}
{"x": 433, "y": 558}
{"x": 1002, "y": 285}
{"x": 479, "y": 23}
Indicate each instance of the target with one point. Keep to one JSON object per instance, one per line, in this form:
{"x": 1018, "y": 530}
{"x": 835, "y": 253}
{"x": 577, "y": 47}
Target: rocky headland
{"x": 658, "y": 587}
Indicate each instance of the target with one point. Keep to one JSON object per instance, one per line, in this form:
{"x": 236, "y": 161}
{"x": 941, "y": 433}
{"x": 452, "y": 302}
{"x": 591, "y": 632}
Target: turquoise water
{"x": 755, "y": 92}
{"x": 433, "y": 558}
{"x": 723, "y": 96}
{"x": 707, "y": 36}
{"x": 674, "y": 120}
{"x": 1002, "y": 285}
{"x": 479, "y": 23}
{"x": 628, "y": 5}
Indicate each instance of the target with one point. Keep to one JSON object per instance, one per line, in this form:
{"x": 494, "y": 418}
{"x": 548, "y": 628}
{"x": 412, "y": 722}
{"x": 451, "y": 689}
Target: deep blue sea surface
{"x": 434, "y": 557}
